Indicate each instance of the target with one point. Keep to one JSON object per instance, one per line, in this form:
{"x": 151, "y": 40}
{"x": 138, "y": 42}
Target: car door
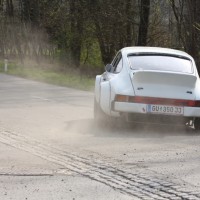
{"x": 105, "y": 90}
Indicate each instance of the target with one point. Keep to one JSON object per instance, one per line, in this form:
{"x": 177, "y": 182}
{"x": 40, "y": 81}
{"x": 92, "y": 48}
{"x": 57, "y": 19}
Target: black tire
{"x": 197, "y": 124}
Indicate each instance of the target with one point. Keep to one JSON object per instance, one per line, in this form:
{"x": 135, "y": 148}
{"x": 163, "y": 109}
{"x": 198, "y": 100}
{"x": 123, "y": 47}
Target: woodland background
{"x": 86, "y": 34}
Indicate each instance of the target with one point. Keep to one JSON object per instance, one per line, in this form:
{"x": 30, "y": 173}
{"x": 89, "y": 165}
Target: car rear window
{"x": 161, "y": 62}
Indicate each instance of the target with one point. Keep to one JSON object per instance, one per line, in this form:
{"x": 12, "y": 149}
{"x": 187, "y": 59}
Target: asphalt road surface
{"x": 50, "y": 149}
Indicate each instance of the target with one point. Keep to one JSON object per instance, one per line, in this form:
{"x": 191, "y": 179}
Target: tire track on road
{"x": 140, "y": 185}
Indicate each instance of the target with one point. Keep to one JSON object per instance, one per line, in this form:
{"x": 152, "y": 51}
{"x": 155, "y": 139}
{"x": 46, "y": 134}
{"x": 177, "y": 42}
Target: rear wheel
{"x": 98, "y": 113}
{"x": 101, "y": 119}
{"x": 197, "y": 124}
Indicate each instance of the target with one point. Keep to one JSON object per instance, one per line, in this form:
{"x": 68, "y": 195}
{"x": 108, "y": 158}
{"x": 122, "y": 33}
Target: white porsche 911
{"x": 149, "y": 85}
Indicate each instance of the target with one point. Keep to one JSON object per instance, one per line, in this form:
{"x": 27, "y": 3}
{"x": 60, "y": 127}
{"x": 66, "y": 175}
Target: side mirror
{"x": 108, "y": 67}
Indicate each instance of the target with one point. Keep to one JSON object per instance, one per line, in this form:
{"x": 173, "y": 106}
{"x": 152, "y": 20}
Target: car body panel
{"x": 164, "y": 84}
{"x": 97, "y": 88}
{"x": 105, "y": 97}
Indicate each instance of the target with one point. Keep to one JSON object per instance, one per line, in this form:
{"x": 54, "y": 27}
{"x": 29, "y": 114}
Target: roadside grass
{"x": 67, "y": 78}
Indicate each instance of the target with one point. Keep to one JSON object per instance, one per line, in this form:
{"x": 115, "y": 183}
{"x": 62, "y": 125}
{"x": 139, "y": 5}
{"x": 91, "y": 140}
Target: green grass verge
{"x": 68, "y": 79}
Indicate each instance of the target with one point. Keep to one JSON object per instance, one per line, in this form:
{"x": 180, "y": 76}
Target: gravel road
{"x": 50, "y": 149}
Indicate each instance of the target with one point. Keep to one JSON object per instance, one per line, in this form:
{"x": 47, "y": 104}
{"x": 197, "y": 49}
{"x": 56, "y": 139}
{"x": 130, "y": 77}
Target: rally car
{"x": 149, "y": 85}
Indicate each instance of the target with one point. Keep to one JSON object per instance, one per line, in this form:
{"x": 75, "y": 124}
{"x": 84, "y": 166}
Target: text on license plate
{"x": 163, "y": 109}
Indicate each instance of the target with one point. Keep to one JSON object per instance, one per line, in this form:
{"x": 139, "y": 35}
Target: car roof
{"x": 129, "y": 50}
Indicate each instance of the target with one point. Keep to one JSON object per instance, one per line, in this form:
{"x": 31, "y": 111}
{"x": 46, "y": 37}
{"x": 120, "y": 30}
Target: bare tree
{"x": 114, "y": 25}
{"x": 187, "y": 14}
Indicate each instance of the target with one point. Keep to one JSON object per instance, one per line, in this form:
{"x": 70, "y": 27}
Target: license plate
{"x": 163, "y": 109}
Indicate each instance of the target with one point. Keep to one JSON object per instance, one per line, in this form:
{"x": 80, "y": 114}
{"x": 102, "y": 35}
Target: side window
{"x": 115, "y": 60}
{"x": 116, "y": 63}
{"x": 118, "y": 67}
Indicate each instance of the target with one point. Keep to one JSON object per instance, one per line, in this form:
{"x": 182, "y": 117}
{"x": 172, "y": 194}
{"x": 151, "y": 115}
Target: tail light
{"x": 122, "y": 98}
{"x": 154, "y": 100}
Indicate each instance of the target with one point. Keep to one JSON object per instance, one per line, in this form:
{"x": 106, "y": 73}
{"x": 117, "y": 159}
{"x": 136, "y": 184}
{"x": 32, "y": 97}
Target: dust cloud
{"x": 126, "y": 129}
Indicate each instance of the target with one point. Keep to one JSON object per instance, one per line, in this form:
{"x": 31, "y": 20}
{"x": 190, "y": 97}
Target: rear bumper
{"x": 138, "y": 112}
{"x": 142, "y": 109}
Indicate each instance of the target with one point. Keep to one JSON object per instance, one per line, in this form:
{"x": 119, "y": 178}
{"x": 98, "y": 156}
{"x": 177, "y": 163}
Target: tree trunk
{"x": 76, "y": 18}
{"x": 128, "y": 23}
{"x": 10, "y": 8}
{"x": 144, "y": 22}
